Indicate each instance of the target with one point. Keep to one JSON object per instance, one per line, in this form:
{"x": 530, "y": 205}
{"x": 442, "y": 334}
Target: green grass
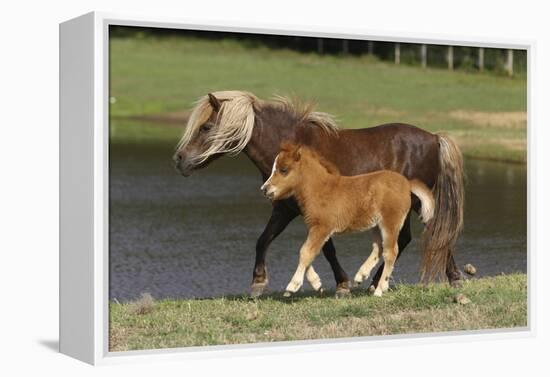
{"x": 496, "y": 302}
{"x": 162, "y": 75}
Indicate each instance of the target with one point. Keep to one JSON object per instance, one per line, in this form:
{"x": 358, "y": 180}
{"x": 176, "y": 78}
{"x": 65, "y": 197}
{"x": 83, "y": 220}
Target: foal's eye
{"x": 283, "y": 171}
{"x": 206, "y": 127}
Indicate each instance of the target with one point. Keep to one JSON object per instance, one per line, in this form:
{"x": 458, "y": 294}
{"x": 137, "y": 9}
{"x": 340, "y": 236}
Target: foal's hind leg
{"x": 366, "y": 268}
{"x": 390, "y": 251}
{"x": 404, "y": 239}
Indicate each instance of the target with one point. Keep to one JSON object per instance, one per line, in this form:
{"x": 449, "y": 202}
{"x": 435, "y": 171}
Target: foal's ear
{"x": 297, "y": 153}
{"x": 214, "y": 102}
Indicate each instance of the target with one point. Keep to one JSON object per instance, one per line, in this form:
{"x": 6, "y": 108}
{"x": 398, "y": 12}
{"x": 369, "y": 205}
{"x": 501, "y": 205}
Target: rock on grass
{"x": 143, "y": 305}
{"x": 470, "y": 269}
{"x": 461, "y": 299}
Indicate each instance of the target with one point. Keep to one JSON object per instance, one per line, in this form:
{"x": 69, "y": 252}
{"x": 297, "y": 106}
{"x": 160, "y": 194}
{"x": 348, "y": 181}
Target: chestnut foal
{"x": 332, "y": 203}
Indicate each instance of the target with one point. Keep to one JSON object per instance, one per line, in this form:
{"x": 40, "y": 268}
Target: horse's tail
{"x": 422, "y": 192}
{"x": 442, "y": 231}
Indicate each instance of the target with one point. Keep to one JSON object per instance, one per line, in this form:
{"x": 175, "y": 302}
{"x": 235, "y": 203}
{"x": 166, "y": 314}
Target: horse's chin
{"x": 189, "y": 168}
{"x": 185, "y": 171}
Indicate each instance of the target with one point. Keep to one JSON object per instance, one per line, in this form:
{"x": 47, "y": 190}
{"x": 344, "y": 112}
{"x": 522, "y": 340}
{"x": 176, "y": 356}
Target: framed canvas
{"x": 176, "y": 139}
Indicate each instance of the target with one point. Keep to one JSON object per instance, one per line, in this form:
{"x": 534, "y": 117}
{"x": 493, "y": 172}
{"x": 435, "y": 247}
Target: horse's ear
{"x": 214, "y": 102}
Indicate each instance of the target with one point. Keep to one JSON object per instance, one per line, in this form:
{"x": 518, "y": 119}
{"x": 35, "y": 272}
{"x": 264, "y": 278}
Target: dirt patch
{"x": 514, "y": 144}
{"x": 505, "y": 119}
{"x": 380, "y": 111}
{"x": 176, "y": 118}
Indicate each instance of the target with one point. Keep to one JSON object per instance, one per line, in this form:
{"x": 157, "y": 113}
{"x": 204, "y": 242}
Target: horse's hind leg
{"x": 452, "y": 272}
{"x": 366, "y": 268}
{"x": 342, "y": 280}
{"x": 280, "y": 218}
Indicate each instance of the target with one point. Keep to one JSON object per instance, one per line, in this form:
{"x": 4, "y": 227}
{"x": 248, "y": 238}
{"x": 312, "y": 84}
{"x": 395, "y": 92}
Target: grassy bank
{"x": 485, "y": 112}
{"x": 496, "y": 302}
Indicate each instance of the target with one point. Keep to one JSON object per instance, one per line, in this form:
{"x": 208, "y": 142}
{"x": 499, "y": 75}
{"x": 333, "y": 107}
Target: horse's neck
{"x": 269, "y": 131}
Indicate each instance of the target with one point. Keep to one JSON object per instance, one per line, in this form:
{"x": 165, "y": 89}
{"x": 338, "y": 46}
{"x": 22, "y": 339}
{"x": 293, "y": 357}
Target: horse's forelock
{"x": 234, "y": 126}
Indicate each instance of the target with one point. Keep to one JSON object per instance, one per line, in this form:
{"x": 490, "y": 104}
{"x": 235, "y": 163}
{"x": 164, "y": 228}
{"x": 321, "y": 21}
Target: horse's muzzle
{"x": 184, "y": 168}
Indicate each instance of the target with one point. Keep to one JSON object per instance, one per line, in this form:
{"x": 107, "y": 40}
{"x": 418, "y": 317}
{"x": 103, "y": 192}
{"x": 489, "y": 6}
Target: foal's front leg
{"x": 310, "y": 249}
{"x": 314, "y": 279}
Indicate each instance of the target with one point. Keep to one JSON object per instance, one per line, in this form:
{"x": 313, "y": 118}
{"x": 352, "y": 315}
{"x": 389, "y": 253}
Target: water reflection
{"x": 195, "y": 237}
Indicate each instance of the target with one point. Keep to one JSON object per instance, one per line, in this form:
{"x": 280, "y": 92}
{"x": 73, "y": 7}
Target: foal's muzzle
{"x": 266, "y": 190}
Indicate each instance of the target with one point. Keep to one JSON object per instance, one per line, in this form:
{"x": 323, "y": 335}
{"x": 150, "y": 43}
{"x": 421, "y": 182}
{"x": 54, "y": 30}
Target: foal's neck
{"x": 314, "y": 179}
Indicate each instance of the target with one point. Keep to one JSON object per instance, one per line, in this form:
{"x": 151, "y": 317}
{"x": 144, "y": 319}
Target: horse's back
{"x": 399, "y": 147}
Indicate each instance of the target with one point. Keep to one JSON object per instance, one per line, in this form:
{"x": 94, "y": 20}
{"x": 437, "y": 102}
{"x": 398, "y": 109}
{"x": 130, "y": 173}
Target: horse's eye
{"x": 283, "y": 171}
{"x": 206, "y": 127}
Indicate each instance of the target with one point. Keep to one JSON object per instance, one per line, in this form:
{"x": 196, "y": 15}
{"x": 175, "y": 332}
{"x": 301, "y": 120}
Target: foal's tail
{"x": 422, "y": 192}
{"x": 442, "y": 231}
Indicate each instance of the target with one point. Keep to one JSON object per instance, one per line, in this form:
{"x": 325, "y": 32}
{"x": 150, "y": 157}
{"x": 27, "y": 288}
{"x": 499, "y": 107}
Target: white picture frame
{"x": 84, "y": 191}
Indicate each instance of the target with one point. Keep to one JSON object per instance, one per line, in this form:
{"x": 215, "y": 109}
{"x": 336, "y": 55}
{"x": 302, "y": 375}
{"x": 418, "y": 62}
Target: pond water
{"x": 181, "y": 237}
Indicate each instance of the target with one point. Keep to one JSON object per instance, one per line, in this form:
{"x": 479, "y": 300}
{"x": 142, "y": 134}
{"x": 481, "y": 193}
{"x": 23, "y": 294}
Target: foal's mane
{"x": 312, "y": 154}
{"x": 236, "y": 118}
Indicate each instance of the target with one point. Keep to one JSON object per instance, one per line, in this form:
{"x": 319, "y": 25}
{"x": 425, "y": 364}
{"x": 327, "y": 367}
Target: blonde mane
{"x": 236, "y": 118}
{"x": 234, "y": 124}
{"x": 304, "y": 112}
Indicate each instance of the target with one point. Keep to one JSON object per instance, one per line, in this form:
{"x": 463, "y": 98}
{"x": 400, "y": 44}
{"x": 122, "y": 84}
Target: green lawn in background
{"x": 153, "y": 75}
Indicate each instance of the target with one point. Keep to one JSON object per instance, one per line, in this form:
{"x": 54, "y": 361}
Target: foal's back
{"x": 374, "y": 197}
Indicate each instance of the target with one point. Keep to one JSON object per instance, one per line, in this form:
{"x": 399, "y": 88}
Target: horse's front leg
{"x": 280, "y": 218}
{"x": 310, "y": 249}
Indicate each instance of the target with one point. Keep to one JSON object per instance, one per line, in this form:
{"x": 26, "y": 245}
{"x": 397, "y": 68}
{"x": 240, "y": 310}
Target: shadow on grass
{"x": 279, "y": 296}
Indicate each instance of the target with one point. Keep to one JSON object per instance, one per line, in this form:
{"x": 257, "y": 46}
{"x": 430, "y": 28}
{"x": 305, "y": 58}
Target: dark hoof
{"x": 342, "y": 293}
{"x": 257, "y": 289}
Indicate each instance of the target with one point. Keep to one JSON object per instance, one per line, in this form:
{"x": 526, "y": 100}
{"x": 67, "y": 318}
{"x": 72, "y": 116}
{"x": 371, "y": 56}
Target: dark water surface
{"x": 195, "y": 237}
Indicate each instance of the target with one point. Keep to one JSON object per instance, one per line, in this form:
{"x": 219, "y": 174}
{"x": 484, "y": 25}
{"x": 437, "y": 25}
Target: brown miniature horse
{"x": 230, "y": 122}
{"x": 332, "y": 203}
